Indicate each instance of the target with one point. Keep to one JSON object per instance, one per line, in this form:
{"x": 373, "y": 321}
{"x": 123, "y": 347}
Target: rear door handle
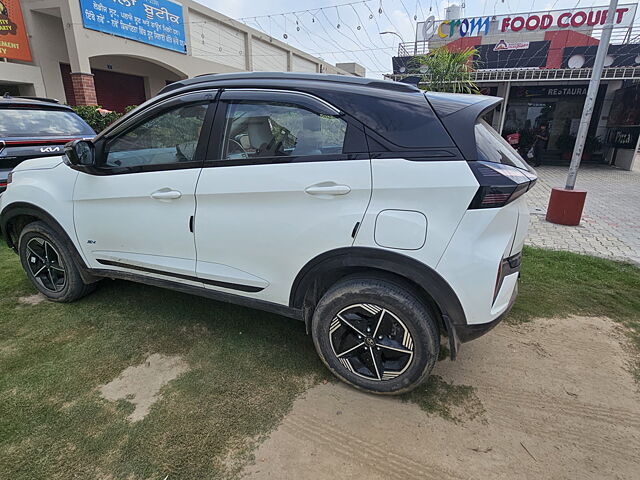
{"x": 166, "y": 194}
{"x": 328, "y": 188}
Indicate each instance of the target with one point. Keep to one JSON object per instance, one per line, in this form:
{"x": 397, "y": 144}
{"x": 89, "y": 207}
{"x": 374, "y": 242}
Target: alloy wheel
{"x": 46, "y": 265}
{"x": 371, "y": 342}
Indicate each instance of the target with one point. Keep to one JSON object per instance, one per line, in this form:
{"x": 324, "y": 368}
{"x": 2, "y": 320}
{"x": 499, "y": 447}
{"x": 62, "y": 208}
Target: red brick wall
{"x": 84, "y": 89}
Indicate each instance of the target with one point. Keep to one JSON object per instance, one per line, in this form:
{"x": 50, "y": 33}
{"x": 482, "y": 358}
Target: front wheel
{"x": 47, "y": 260}
{"x": 376, "y": 335}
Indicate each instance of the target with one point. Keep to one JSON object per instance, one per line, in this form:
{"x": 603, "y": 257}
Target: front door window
{"x": 167, "y": 139}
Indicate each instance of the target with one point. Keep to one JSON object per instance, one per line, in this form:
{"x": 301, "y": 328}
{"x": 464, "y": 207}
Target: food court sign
{"x": 576, "y": 19}
{"x": 155, "y": 22}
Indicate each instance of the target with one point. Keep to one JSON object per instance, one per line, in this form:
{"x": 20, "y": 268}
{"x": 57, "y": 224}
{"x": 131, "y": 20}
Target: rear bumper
{"x": 459, "y": 334}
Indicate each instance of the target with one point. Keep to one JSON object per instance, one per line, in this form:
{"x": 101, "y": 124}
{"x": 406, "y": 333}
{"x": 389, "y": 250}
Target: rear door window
{"x": 259, "y": 129}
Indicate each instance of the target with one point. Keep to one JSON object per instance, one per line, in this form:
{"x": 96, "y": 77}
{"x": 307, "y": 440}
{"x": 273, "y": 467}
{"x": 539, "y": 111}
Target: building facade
{"x": 117, "y": 53}
{"x": 541, "y": 63}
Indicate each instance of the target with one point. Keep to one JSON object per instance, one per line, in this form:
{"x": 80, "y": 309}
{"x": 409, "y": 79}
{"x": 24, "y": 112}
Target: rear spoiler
{"x": 455, "y": 109}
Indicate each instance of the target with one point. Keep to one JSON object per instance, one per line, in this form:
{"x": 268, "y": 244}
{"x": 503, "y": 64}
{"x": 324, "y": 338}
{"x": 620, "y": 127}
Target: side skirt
{"x": 202, "y": 292}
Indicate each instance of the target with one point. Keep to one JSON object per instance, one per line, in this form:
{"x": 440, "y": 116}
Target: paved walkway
{"x": 610, "y": 224}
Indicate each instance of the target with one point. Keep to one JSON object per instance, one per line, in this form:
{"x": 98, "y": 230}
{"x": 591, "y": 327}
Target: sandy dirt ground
{"x": 141, "y": 384}
{"x": 559, "y": 402}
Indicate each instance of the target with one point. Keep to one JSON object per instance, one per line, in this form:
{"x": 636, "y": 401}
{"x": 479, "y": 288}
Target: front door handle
{"x": 328, "y": 188}
{"x": 166, "y": 194}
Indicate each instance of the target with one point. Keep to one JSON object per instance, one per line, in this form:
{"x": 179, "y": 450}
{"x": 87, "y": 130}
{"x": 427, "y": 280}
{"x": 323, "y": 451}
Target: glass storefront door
{"x": 558, "y": 108}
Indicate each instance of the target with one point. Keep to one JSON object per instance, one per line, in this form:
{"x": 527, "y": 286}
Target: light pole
{"x": 392, "y": 33}
{"x": 565, "y": 205}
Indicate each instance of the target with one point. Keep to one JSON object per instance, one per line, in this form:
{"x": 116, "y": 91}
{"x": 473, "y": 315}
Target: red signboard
{"x": 14, "y": 43}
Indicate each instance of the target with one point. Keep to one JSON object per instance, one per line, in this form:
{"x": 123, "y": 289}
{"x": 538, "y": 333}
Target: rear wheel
{"x": 376, "y": 335}
{"x": 49, "y": 265}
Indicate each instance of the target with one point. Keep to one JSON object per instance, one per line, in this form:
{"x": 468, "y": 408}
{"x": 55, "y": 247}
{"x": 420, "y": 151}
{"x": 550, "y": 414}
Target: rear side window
{"x": 23, "y": 122}
{"x": 257, "y": 129}
{"x": 493, "y": 148}
{"x": 404, "y": 119}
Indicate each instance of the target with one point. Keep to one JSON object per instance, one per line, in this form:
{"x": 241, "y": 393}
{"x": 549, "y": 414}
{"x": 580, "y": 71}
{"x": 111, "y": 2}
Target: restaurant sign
{"x": 14, "y": 43}
{"x": 155, "y": 22}
{"x": 575, "y": 19}
{"x": 549, "y": 91}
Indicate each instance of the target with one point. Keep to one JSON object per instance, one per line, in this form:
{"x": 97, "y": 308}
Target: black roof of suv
{"x": 398, "y": 118}
{"x": 402, "y": 117}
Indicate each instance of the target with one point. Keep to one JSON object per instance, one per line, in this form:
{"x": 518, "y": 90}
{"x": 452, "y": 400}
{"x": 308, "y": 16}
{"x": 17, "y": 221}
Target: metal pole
{"x": 592, "y": 92}
{"x": 503, "y": 115}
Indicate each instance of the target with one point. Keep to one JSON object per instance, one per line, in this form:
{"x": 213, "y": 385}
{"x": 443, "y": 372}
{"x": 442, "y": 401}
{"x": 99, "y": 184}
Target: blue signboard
{"x": 156, "y": 22}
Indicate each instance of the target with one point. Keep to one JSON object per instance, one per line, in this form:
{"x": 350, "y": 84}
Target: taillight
{"x": 499, "y": 184}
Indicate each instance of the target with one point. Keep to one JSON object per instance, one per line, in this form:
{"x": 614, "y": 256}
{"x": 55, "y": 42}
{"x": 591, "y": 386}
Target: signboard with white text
{"x": 155, "y": 22}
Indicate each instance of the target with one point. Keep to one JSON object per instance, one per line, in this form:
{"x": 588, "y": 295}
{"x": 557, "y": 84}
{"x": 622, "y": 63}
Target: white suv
{"x": 380, "y": 215}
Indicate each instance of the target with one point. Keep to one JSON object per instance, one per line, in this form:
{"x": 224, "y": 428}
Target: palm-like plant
{"x": 447, "y": 71}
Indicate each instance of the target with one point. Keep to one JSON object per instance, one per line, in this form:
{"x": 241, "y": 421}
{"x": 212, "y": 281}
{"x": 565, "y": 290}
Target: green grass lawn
{"x": 247, "y": 367}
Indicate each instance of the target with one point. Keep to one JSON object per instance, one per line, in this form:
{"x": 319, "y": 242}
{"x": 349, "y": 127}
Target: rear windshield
{"x": 23, "y": 122}
{"x": 493, "y": 148}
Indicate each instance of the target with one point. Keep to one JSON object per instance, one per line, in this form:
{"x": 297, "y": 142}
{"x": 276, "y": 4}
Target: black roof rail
{"x": 288, "y": 76}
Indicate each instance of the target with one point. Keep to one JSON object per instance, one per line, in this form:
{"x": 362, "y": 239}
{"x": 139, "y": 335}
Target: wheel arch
{"x": 321, "y": 272}
{"x": 14, "y": 217}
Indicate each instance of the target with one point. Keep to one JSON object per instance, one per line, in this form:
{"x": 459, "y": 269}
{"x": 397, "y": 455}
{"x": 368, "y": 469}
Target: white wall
{"x": 300, "y": 64}
{"x": 49, "y": 49}
{"x": 268, "y": 57}
{"x": 213, "y": 40}
{"x": 28, "y": 77}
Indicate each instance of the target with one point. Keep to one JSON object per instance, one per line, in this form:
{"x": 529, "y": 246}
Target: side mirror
{"x": 80, "y": 152}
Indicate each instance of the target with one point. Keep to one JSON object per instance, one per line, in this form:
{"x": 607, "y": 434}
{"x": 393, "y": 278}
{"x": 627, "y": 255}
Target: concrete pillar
{"x": 84, "y": 90}
{"x": 248, "y": 51}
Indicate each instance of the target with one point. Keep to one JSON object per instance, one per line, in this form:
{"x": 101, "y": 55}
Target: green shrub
{"x": 97, "y": 120}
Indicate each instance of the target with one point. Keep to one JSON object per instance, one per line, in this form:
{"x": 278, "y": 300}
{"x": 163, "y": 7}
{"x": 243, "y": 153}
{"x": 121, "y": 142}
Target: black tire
{"x": 47, "y": 260}
{"x": 352, "y": 305}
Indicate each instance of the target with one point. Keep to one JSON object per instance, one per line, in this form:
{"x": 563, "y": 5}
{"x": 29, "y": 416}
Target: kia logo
{"x": 50, "y": 149}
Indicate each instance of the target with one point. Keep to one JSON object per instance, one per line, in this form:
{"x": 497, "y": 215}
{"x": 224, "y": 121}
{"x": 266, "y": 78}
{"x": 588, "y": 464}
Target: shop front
{"x": 556, "y": 109}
